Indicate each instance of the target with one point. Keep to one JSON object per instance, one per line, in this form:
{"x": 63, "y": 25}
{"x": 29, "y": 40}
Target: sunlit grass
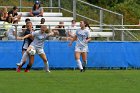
{"x": 69, "y": 81}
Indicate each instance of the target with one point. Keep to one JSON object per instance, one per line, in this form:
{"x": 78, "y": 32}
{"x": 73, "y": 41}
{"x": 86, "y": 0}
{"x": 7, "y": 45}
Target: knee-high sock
{"x": 84, "y": 63}
{"x": 79, "y": 64}
{"x": 24, "y": 58}
{"x": 46, "y": 66}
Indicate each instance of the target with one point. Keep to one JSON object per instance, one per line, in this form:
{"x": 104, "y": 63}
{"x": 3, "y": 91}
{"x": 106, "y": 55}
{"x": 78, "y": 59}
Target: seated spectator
{"x": 22, "y": 31}
{"x": 42, "y": 21}
{"x": 14, "y": 13}
{"x": 8, "y": 23}
{"x": 72, "y": 29}
{"x": 11, "y": 34}
{"x": 27, "y": 20}
{"x": 37, "y": 10}
{"x": 3, "y": 14}
{"x": 61, "y": 32}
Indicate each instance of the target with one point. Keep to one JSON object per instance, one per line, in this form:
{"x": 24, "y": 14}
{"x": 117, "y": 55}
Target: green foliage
{"x": 129, "y": 8}
{"x": 110, "y": 3}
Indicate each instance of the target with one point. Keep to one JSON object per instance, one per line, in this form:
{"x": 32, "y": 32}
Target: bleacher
{"x": 45, "y": 14}
{"x": 52, "y": 19}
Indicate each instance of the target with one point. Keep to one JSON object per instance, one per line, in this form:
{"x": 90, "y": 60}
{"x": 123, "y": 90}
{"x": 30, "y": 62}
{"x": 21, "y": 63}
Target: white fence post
{"x": 74, "y": 9}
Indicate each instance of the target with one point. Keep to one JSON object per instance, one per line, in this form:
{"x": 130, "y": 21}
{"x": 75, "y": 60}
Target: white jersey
{"x": 39, "y": 39}
{"x": 81, "y": 44}
{"x": 82, "y": 35}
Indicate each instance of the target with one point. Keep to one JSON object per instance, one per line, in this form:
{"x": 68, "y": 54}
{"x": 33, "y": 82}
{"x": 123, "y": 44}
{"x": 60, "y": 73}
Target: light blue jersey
{"x": 39, "y": 39}
{"x": 81, "y": 44}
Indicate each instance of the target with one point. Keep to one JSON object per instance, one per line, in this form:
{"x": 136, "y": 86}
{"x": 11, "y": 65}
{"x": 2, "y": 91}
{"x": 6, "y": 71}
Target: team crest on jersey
{"x": 41, "y": 37}
{"x": 81, "y": 34}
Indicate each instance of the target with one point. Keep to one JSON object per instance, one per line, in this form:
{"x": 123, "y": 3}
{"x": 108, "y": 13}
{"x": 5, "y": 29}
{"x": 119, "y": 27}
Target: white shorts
{"x": 38, "y": 50}
{"x": 25, "y": 46}
{"x": 81, "y": 49}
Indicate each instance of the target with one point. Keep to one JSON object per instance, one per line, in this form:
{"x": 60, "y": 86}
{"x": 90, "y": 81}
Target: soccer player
{"x": 27, "y": 41}
{"x": 26, "y": 44}
{"x": 38, "y": 45}
{"x": 82, "y": 38}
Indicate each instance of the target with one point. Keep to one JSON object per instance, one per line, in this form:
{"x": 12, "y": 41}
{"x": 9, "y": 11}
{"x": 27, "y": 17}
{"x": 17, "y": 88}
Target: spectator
{"x": 14, "y": 13}
{"x": 37, "y": 10}
{"x": 3, "y": 14}
{"x": 8, "y": 23}
{"x": 60, "y": 31}
{"x": 27, "y": 20}
{"x": 72, "y": 29}
{"x": 26, "y": 43}
{"x": 22, "y": 30}
{"x": 11, "y": 34}
{"x": 42, "y": 21}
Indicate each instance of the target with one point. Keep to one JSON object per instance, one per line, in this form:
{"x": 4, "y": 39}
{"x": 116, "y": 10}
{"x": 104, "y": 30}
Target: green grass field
{"x": 70, "y": 81}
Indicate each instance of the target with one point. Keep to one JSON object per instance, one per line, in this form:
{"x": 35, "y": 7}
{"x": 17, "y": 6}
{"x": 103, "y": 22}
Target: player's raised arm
{"x": 27, "y": 36}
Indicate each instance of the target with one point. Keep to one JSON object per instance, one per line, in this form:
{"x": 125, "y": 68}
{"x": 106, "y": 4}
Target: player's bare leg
{"x": 46, "y": 64}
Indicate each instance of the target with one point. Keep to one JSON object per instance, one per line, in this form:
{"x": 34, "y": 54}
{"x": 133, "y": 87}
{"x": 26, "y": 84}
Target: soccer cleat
{"x": 18, "y": 64}
{"x": 84, "y": 68}
{"x": 48, "y": 71}
{"x": 18, "y": 69}
{"x": 26, "y": 70}
{"x": 81, "y": 70}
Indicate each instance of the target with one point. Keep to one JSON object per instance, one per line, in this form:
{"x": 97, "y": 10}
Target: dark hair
{"x": 15, "y": 7}
{"x": 9, "y": 19}
{"x": 87, "y": 24}
{"x": 61, "y": 22}
{"x": 15, "y": 21}
{"x": 73, "y": 20}
{"x": 42, "y": 19}
{"x": 26, "y": 20}
{"x": 24, "y": 26}
{"x": 34, "y": 7}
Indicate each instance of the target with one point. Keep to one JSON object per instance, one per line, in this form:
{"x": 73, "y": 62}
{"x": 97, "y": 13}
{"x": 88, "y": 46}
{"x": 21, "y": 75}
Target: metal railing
{"x": 96, "y": 15}
{"x": 115, "y": 29}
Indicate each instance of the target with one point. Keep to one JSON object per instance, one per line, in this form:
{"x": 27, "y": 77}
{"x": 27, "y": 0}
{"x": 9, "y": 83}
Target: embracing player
{"x": 38, "y": 45}
{"x": 26, "y": 43}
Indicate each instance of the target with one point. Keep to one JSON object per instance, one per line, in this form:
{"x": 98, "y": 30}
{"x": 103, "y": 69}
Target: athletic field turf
{"x": 70, "y": 81}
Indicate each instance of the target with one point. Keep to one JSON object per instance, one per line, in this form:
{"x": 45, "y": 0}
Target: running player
{"x": 38, "y": 45}
{"x": 82, "y": 38}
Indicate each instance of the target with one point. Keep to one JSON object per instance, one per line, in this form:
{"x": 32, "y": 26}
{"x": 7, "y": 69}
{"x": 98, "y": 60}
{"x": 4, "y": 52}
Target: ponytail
{"x": 87, "y": 25}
